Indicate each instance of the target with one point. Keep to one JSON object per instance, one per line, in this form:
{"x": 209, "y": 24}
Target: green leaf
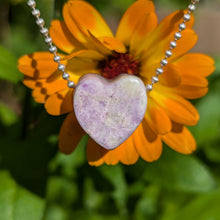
{"x": 47, "y": 10}
{"x": 7, "y": 116}
{"x": 7, "y": 194}
{"x": 208, "y": 128}
{"x": 55, "y": 212}
{"x": 146, "y": 207}
{"x": 123, "y": 4}
{"x": 205, "y": 207}
{"x": 217, "y": 67}
{"x": 92, "y": 199}
{"x": 212, "y": 151}
{"x": 34, "y": 206}
{"x": 69, "y": 163}
{"x": 8, "y": 66}
{"x": 17, "y": 203}
{"x": 115, "y": 175}
{"x": 16, "y": 1}
{"x": 180, "y": 172}
{"x": 62, "y": 190}
{"x": 88, "y": 215}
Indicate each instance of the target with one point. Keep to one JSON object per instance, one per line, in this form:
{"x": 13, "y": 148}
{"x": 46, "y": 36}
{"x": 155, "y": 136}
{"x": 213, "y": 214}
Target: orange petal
{"x": 125, "y": 153}
{"x": 80, "y": 29}
{"x": 62, "y": 37}
{"x": 147, "y": 143}
{"x": 29, "y": 82}
{"x": 82, "y": 20}
{"x": 95, "y": 153}
{"x": 73, "y": 28}
{"x": 171, "y": 76}
{"x": 85, "y": 54}
{"x": 112, "y": 157}
{"x": 191, "y": 92}
{"x": 60, "y": 102}
{"x": 171, "y": 22}
{"x": 70, "y": 134}
{"x": 87, "y": 38}
{"x": 37, "y": 65}
{"x": 151, "y": 53}
{"x": 157, "y": 118}
{"x": 39, "y": 94}
{"x": 177, "y": 108}
{"x": 85, "y": 63}
{"x": 88, "y": 18}
{"x": 45, "y": 87}
{"x": 192, "y": 86}
{"x": 130, "y": 20}
{"x": 50, "y": 85}
{"x": 154, "y": 45}
{"x": 196, "y": 63}
{"x": 97, "y": 44}
{"x": 113, "y": 44}
{"x": 185, "y": 44}
{"x": 146, "y": 25}
{"x": 180, "y": 139}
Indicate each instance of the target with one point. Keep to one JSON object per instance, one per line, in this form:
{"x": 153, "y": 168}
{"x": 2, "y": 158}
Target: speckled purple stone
{"x": 110, "y": 111}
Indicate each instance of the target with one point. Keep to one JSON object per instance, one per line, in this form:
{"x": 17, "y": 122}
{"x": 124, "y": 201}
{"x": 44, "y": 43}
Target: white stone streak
{"x": 110, "y": 110}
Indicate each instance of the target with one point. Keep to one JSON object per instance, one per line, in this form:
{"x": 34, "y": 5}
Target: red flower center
{"x": 119, "y": 63}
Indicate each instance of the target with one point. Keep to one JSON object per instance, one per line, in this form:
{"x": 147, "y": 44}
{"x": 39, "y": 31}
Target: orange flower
{"x": 139, "y": 45}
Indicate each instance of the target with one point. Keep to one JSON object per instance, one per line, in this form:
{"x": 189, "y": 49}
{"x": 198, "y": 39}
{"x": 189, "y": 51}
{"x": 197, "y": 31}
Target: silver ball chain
{"x": 173, "y": 44}
{"x": 48, "y": 40}
{"x": 53, "y": 49}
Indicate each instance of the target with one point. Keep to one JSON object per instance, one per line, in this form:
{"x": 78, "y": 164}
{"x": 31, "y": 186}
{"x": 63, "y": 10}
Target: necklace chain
{"x": 61, "y": 67}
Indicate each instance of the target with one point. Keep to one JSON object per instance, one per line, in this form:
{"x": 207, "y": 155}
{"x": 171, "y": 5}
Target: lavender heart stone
{"x": 110, "y": 110}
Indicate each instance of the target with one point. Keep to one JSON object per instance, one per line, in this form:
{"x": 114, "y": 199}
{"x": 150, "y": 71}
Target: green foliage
{"x": 7, "y": 116}
{"x": 203, "y": 208}
{"x": 194, "y": 176}
{"x": 208, "y": 129}
{"x": 17, "y": 203}
{"x": 8, "y": 66}
{"x": 39, "y": 183}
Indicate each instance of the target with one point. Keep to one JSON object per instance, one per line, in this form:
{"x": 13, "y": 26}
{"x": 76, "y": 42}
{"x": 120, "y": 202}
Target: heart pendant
{"x": 110, "y": 110}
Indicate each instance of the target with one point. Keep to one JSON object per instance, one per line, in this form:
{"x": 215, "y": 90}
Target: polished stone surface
{"x": 110, "y": 111}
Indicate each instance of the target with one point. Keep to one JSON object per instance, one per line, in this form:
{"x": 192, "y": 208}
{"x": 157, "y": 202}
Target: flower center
{"x": 119, "y": 63}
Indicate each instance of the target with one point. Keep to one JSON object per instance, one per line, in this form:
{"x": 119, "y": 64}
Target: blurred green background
{"x": 37, "y": 182}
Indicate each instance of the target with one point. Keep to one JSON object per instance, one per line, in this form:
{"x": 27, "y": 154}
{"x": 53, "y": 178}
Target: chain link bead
{"x": 71, "y": 84}
{"x": 66, "y": 76}
{"x": 36, "y": 13}
{"x": 48, "y": 40}
{"x": 31, "y": 3}
{"x": 192, "y": 7}
{"x": 159, "y": 71}
{"x": 177, "y": 35}
{"x": 168, "y": 53}
{"x": 154, "y": 79}
{"x": 57, "y": 58}
{"x": 182, "y": 26}
{"x": 61, "y": 67}
{"x": 164, "y": 62}
{"x": 44, "y": 31}
{"x": 52, "y": 49}
{"x": 149, "y": 87}
{"x": 40, "y": 22}
{"x": 173, "y": 44}
{"x": 186, "y": 17}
